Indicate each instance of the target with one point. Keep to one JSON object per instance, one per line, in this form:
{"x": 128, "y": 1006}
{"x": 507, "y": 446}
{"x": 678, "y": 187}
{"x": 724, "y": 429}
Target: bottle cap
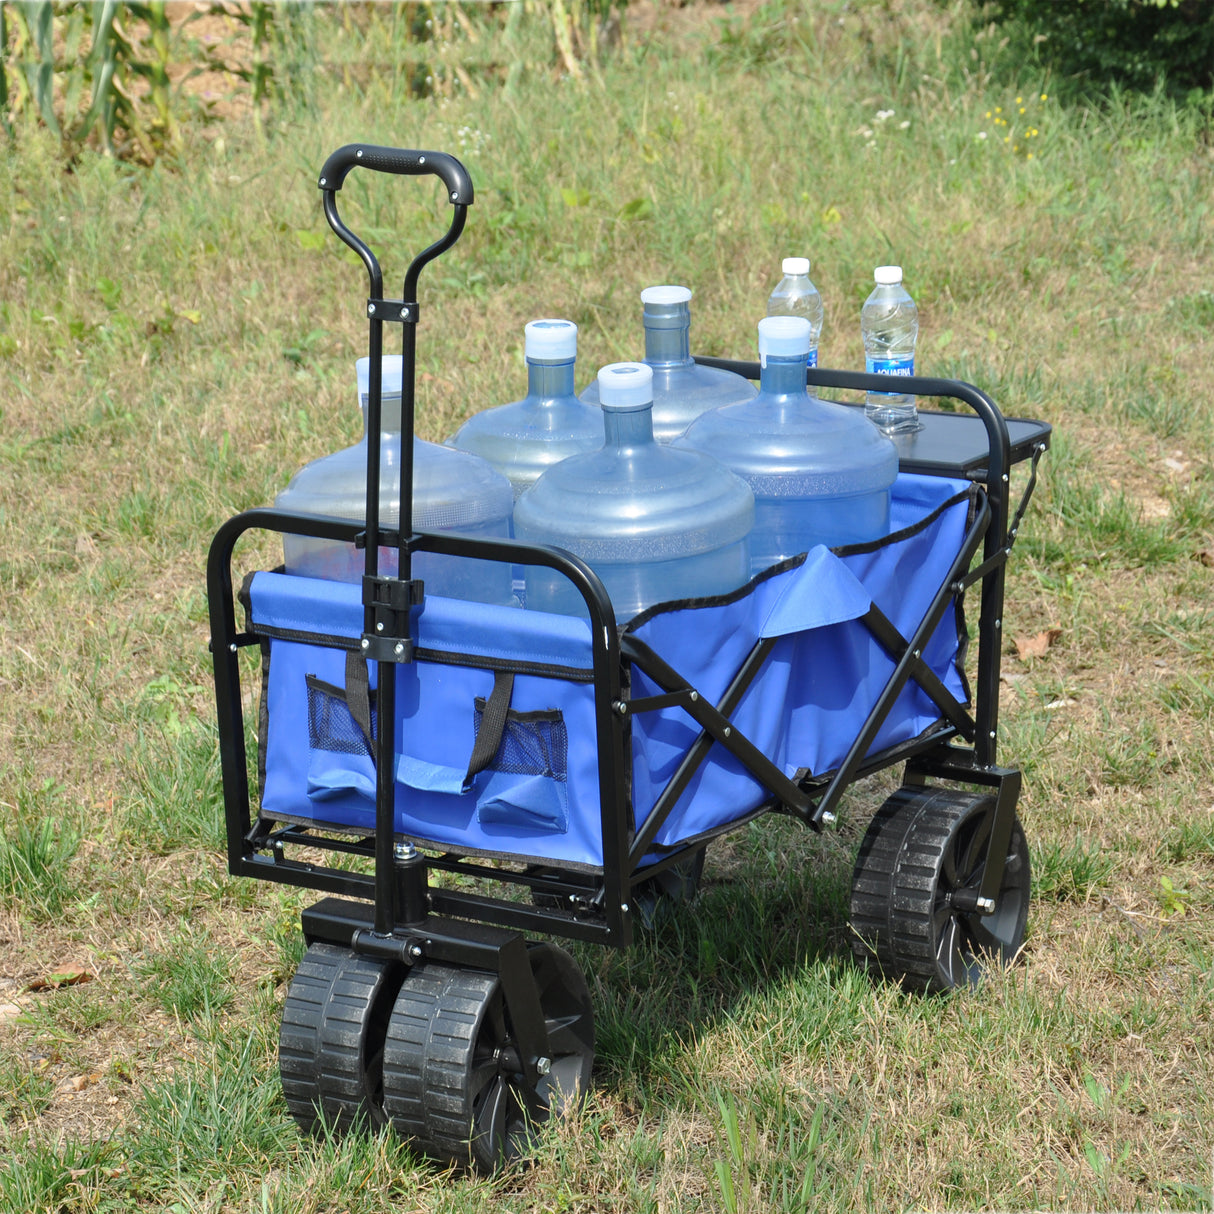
{"x": 784, "y": 337}
{"x": 626, "y": 387}
{"x": 795, "y": 265}
{"x": 887, "y": 276}
{"x": 666, "y": 296}
{"x": 550, "y": 340}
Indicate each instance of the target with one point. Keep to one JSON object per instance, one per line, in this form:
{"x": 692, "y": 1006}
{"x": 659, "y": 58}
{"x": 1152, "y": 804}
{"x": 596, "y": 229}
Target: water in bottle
{"x": 682, "y": 389}
{"x": 889, "y": 324}
{"x": 820, "y": 473}
{"x": 796, "y": 295}
{"x": 452, "y": 491}
{"x": 525, "y": 437}
{"x": 655, "y": 523}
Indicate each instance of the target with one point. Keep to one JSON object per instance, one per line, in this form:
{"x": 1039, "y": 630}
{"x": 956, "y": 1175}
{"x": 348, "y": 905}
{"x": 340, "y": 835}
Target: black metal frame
{"x": 407, "y": 919}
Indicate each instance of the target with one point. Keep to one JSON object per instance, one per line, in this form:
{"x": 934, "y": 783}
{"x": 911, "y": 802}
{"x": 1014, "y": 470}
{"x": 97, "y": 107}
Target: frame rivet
{"x": 400, "y": 648}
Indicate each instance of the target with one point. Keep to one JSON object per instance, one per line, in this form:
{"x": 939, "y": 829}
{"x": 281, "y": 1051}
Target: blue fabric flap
{"x": 821, "y": 591}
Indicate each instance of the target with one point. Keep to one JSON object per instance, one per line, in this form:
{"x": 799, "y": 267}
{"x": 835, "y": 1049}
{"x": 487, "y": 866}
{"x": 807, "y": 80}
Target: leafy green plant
{"x": 1135, "y": 44}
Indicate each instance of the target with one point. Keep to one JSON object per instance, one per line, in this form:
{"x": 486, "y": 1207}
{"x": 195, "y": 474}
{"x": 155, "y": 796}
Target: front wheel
{"x": 909, "y": 916}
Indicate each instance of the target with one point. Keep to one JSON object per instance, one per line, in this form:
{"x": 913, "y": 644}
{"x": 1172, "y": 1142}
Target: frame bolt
{"x": 400, "y": 648}
{"x": 404, "y": 851}
{"x": 370, "y": 309}
{"x": 624, "y": 907}
{"x": 380, "y": 626}
{"x": 620, "y": 707}
{"x": 232, "y": 647}
{"x": 365, "y": 643}
{"x": 543, "y": 1066}
{"x": 415, "y": 951}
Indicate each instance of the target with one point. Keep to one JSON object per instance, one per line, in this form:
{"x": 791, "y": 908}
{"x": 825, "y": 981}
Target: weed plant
{"x": 177, "y": 340}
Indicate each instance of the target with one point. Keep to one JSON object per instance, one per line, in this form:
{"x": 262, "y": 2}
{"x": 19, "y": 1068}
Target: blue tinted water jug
{"x": 821, "y": 473}
{"x": 525, "y": 437}
{"x": 452, "y": 491}
{"x": 654, "y": 523}
{"x": 682, "y": 389}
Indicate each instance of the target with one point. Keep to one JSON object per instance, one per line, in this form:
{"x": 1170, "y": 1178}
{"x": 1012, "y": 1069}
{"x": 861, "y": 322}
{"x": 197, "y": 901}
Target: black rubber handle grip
{"x": 398, "y": 160}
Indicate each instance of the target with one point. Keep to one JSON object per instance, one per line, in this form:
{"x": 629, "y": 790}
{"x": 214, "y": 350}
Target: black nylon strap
{"x": 358, "y": 695}
{"x": 493, "y": 725}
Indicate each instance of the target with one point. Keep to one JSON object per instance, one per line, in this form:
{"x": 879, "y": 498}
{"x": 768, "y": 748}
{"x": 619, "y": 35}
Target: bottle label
{"x": 890, "y": 366}
{"x": 812, "y": 360}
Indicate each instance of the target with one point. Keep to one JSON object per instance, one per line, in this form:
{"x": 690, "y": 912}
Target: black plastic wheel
{"x": 330, "y": 1048}
{"x": 656, "y": 897}
{"x": 923, "y": 846}
{"x": 452, "y": 1082}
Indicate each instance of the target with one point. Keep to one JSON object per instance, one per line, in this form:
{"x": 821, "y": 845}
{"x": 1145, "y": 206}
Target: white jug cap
{"x": 391, "y": 374}
{"x": 795, "y": 265}
{"x": 626, "y": 387}
{"x": 551, "y": 340}
{"x": 666, "y": 295}
{"x": 887, "y": 276}
{"x": 784, "y": 336}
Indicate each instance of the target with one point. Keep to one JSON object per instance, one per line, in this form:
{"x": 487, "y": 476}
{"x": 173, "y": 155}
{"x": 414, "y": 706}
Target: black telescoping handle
{"x": 398, "y": 160}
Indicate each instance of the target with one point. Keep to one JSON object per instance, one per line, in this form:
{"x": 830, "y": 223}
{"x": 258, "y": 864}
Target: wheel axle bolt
{"x": 829, "y": 819}
{"x": 415, "y": 951}
{"x": 986, "y": 905}
{"x": 543, "y": 1066}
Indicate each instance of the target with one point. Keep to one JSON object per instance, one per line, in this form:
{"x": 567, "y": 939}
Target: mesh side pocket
{"x": 331, "y": 724}
{"x": 525, "y": 787}
{"x": 533, "y": 744}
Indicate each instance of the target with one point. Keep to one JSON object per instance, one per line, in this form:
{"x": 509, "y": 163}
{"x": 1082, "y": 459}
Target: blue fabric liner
{"x": 803, "y": 711}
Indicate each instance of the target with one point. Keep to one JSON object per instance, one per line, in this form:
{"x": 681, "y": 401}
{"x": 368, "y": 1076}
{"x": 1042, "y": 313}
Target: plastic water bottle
{"x": 682, "y": 389}
{"x": 549, "y": 424}
{"x": 796, "y": 295}
{"x": 452, "y": 491}
{"x": 889, "y": 324}
{"x": 655, "y": 523}
{"x": 820, "y": 473}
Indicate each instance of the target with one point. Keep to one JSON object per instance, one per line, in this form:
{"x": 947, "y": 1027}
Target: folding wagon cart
{"x": 558, "y": 775}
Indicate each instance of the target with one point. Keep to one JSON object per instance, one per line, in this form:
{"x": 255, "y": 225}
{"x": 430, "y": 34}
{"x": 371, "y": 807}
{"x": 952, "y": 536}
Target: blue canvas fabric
{"x": 539, "y": 797}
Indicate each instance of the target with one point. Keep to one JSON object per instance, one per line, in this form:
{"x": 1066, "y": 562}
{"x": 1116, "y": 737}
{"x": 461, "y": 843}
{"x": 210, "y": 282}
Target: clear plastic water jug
{"x": 654, "y": 523}
{"x": 452, "y": 491}
{"x": 527, "y": 436}
{"x": 820, "y": 472}
{"x": 682, "y": 389}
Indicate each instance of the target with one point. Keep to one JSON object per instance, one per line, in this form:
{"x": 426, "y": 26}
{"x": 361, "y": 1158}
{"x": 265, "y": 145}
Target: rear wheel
{"x": 921, "y": 861}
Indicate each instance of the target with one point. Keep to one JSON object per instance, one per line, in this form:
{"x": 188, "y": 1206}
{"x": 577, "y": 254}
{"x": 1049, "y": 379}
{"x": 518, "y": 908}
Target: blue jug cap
{"x": 784, "y": 337}
{"x": 666, "y": 307}
{"x": 625, "y": 387}
{"x": 550, "y": 340}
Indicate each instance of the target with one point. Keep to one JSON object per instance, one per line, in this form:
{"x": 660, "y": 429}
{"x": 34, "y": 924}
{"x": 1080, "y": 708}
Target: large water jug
{"x": 527, "y": 436}
{"x": 452, "y": 491}
{"x": 654, "y": 523}
{"x": 820, "y": 472}
{"x": 682, "y": 389}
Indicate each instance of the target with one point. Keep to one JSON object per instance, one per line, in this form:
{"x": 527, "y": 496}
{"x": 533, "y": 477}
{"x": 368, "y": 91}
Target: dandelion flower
{"x": 1045, "y": 97}
{"x": 988, "y": 113}
{"x": 1019, "y": 100}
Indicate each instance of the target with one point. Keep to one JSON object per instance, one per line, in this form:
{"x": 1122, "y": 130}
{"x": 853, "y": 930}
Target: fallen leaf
{"x": 1036, "y": 647}
{"x": 1206, "y": 557}
{"x": 63, "y": 977}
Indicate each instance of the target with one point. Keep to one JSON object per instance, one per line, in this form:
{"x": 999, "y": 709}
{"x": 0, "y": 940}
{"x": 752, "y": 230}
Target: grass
{"x": 176, "y": 341}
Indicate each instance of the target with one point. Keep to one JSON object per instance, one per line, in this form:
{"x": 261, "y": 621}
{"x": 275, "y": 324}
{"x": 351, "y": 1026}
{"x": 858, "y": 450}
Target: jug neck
{"x": 389, "y": 416}
{"x": 780, "y": 376}
{"x": 548, "y": 380}
{"x": 668, "y": 336}
{"x": 627, "y": 428}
